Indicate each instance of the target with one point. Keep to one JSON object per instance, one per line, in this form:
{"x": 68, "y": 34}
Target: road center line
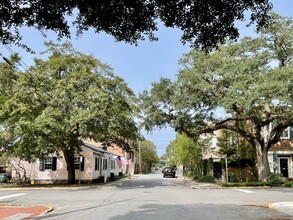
{"x": 244, "y": 190}
{"x": 13, "y": 195}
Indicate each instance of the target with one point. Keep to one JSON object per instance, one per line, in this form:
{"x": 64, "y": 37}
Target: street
{"x": 153, "y": 197}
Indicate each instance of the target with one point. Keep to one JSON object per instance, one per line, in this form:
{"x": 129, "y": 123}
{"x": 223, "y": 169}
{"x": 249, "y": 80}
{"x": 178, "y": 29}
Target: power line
{"x": 30, "y": 78}
{"x": 21, "y": 62}
{"x": 6, "y": 60}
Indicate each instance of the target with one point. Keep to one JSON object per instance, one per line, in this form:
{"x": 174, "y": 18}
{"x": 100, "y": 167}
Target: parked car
{"x": 169, "y": 171}
{"x": 3, "y": 177}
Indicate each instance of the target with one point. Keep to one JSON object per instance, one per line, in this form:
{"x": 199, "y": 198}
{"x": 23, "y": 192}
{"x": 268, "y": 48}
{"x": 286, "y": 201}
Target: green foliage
{"x": 172, "y": 163}
{"x": 189, "y": 174}
{"x": 131, "y": 21}
{"x": 289, "y": 184}
{"x": 276, "y": 180}
{"x": 206, "y": 179}
{"x": 250, "y": 81}
{"x": 149, "y": 155}
{"x": 273, "y": 180}
{"x": 62, "y": 100}
{"x": 239, "y": 184}
{"x": 235, "y": 147}
{"x": 186, "y": 151}
{"x": 233, "y": 177}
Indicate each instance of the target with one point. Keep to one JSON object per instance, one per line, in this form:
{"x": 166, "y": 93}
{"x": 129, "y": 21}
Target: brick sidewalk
{"x": 22, "y": 212}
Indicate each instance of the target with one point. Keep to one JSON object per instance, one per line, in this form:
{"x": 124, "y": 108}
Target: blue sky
{"x": 138, "y": 65}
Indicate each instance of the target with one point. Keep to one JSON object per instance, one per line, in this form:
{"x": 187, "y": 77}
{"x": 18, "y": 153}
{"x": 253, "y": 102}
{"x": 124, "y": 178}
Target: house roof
{"x": 283, "y": 145}
{"x": 96, "y": 149}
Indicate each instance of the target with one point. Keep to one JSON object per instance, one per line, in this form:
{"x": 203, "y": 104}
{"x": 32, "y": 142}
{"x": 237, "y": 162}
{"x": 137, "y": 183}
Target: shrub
{"x": 233, "y": 177}
{"x": 188, "y": 174}
{"x": 206, "y": 179}
{"x": 225, "y": 184}
{"x": 276, "y": 180}
{"x": 289, "y": 184}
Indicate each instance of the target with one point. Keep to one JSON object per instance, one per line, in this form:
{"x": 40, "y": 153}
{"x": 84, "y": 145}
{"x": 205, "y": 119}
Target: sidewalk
{"x": 196, "y": 185}
{"x": 283, "y": 207}
{"x": 22, "y": 212}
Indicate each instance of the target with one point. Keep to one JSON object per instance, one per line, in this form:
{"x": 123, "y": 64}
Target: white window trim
{"x": 48, "y": 163}
{"x": 288, "y": 133}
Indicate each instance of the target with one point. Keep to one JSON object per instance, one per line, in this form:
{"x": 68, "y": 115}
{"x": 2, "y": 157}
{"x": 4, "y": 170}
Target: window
{"x": 112, "y": 164}
{"x": 79, "y": 163}
{"x": 76, "y": 163}
{"x": 286, "y": 133}
{"x": 97, "y": 163}
{"x": 49, "y": 163}
{"x": 105, "y": 164}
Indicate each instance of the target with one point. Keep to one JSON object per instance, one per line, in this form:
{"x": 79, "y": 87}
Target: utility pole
{"x": 139, "y": 156}
{"x": 226, "y": 162}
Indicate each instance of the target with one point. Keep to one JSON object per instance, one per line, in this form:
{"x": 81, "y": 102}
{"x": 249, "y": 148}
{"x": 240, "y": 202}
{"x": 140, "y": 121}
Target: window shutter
{"x": 41, "y": 165}
{"x": 54, "y": 164}
{"x": 82, "y": 164}
{"x": 96, "y": 163}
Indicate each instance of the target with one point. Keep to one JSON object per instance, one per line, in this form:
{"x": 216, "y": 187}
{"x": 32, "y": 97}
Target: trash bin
{"x": 111, "y": 176}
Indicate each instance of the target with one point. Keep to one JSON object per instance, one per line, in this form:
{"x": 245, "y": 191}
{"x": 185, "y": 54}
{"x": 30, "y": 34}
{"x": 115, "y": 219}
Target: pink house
{"x": 94, "y": 163}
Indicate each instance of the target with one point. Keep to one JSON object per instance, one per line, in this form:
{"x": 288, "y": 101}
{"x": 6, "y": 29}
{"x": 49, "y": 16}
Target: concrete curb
{"x": 284, "y": 207}
{"x": 50, "y": 188}
{"x": 118, "y": 182}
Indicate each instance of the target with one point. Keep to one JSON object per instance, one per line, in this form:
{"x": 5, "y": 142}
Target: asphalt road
{"x": 153, "y": 197}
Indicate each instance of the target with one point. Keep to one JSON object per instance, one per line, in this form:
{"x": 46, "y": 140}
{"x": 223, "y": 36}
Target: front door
{"x": 217, "y": 168}
{"x": 284, "y": 166}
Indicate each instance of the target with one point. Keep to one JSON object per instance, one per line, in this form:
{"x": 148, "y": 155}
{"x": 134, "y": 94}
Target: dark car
{"x": 169, "y": 171}
{"x": 4, "y": 177}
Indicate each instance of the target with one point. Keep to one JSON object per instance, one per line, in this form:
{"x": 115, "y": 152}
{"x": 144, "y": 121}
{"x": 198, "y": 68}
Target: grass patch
{"x": 239, "y": 184}
{"x": 252, "y": 184}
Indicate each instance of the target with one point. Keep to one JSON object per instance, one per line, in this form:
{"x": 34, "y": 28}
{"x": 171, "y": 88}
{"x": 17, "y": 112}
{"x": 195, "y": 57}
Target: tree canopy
{"x": 59, "y": 101}
{"x": 249, "y": 81}
{"x": 234, "y": 147}
{"x": 204, "y": 23}
{"x": 149, "y": 155}
{"x": 186, "y": 152}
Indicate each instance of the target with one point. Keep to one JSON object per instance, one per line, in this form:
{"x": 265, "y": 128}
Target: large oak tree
{"x": 250, "y": 82}
{"x": 60, "y": 101}
{"x": 204, "y": 23}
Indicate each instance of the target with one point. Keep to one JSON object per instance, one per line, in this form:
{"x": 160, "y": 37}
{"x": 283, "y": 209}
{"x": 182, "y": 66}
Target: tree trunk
{"x": 69, "y": 158}
{"x": 262, "y": 162}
